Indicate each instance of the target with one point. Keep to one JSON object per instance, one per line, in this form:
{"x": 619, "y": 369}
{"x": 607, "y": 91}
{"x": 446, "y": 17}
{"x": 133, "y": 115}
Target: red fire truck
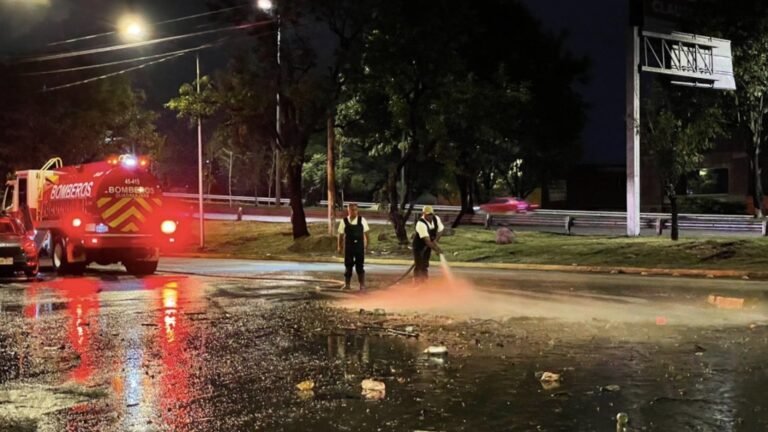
{"x": 104, "y": 212}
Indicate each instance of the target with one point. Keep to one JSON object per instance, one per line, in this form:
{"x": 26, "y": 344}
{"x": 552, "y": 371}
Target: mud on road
{"x": 184, "y": 353}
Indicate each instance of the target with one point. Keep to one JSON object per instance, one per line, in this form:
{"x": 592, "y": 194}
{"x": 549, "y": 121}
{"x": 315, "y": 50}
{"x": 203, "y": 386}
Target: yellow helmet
{"x": 428, "y": 210}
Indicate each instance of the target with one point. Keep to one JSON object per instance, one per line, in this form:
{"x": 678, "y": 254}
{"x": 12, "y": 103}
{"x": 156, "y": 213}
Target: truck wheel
{"x": 141, "y": 268}
{"x": 60, "y": 262}
{"x": 59, "y": 257}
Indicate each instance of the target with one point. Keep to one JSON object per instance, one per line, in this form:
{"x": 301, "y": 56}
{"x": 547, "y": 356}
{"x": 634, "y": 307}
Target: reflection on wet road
{"x": 174, "y": 352}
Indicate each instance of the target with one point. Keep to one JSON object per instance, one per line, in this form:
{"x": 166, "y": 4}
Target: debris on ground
{"x": 548, "y": 377}
{"x": 622, "y": 420}
{"x": 661, "y": 321}
{"x": 548, "y": 380}
{"x": 306, "y": 385}
{"x": 406, "y": 333}
{"x": 373, "y": 390}
{"x": 611, "y": 388}
{"x": 436, "y": 350}
{"x": 726, "y": 302}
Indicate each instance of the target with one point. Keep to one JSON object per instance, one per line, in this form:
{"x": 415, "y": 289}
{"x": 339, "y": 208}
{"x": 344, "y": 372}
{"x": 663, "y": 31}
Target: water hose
{"x": 410, "y": 269}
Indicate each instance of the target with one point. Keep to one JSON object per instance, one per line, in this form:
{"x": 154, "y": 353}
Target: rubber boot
{"x": 346, "y": 282}
{"x": 361, "y": 279}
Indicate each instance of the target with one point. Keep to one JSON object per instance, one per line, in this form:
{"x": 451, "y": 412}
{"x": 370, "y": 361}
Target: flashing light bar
{"x": 128, "y": 161}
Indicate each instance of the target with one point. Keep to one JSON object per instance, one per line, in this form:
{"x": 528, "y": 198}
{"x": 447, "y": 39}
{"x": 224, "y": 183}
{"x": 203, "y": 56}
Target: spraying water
{"x": 447, "y": 270}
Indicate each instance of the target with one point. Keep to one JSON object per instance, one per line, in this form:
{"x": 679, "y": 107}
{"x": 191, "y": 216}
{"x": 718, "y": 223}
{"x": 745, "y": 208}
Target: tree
{"x": 436, "y": 95}
{"x": 745, "y": 23}
{"x": 390, "y": 105}
{"x": 480, "y": 129}
{"x": 678, "y": 131}
{"x": 79, "y": 124}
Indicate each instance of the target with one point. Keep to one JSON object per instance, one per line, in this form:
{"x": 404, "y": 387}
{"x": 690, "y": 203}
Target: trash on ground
{"x": 370, "y": 384}
{"x": 548, "y": 376}
{"x": 373, "y": 390}
{"x": 306, "y": 385}
{"x": 661, "y": 321}
{"x": 306, "y": 394}
{"x": 548, "y": 380}
{"x": 622, "y": 420}
{"x": 405, "y": 333}
{"x": 726, "y": 302}
{"x": 436, "y": 350}
{"x": 611, "y": 388}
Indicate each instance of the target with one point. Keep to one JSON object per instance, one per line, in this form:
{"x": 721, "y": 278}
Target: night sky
{"x": 595, "y": 29}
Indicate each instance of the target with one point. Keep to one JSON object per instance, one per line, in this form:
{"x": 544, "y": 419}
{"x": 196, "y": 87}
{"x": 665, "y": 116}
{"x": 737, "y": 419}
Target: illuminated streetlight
{"x": 265, "y": 5}
{"x": 132, "y": 28}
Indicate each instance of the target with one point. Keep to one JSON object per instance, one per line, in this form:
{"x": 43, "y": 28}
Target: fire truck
{"x": 104, "y": 212}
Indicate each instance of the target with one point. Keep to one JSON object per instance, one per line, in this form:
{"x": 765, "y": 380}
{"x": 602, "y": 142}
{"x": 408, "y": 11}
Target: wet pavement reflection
{"x": 108, "y": 352}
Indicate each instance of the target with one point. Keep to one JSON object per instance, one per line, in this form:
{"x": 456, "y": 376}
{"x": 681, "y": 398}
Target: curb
{"x": 702, "y": 273}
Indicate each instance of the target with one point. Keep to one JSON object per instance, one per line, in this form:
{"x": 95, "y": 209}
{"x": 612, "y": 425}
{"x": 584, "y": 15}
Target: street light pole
{"x": 277, "y": 119}
{"x": 633, "y": 118}
{"x": 268, "y": 7}
{"x": 200, "y": 160}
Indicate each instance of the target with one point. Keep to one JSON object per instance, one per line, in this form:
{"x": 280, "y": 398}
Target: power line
{"x": 138, "y": 44}
{"x": 185, "y": 18}
{"x": 120, "y": 72}
{"x": 73, "y": 69}
{"x": 168, "y": 56}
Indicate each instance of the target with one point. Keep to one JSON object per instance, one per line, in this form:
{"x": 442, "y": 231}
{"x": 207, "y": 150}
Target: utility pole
{"x": 200, "y": 209}
{"x": 633, "y": 117}
{"x": 331, "y": 170}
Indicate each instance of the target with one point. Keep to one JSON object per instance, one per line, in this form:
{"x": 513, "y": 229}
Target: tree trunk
{"x": 298, "y": 218}
{"x": 545, "y": 200}
{"x": 464, "y": 184}
{"x": 756, "y": 128}
{"x": 675, "y": 228}
{"x": 758, "y": 197}
{"x": 398, "y": 222}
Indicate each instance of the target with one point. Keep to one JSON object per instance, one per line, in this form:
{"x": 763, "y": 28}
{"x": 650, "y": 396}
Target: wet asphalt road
{"x": 219, "y": 345}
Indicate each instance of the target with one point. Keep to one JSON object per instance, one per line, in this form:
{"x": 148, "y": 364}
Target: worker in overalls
{"x": 353, "y": 239}
{"x": 429, "y": 229}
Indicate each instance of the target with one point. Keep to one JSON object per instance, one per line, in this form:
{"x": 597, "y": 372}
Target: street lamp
{"x": 269, "y": 7}
{"x": 132, "y": 28}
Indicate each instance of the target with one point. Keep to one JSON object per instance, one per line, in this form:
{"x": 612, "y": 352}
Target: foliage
{"x": 745, "y": 23}
{"x": 677, "y": 133}
{"x": 192, "y": 104}
{"x": 79, "y": 124}
{"x": 435, "y": 99}
{"x": 705, "y": 205}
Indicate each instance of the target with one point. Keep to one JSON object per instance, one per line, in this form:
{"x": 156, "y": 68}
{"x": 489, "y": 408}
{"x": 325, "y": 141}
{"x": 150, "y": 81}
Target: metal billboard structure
{"x": 688, "y": 59}
{"x": 698, "y": 61}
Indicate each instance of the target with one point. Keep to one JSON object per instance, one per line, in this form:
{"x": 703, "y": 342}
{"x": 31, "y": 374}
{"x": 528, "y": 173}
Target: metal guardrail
{"x": 226, "y": 198}
{"x": 567, "y": 219}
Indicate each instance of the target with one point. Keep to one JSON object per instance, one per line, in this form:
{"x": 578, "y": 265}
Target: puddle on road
{"x": 191, "y": 356}
{"x": 26, "y": 405}
{"x": 661, "y": 390}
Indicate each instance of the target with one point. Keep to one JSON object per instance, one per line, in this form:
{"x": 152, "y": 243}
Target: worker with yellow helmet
{"x": 429, "y": 229}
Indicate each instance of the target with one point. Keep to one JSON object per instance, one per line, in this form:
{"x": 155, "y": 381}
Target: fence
{"x": 568, "y": 220}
